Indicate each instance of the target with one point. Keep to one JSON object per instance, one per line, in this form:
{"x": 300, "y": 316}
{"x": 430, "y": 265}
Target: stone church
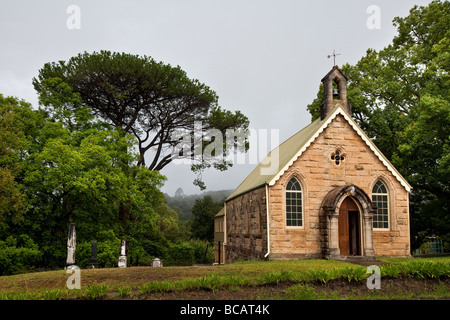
{"x": 333, "y": 195}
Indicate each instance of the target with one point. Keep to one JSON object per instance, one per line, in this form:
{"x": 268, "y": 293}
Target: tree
{"x": 82, "y": 177}
{"x": 143, "y": 97}
{"x": 204, "y": 211}
{"x": 400, "y": 98}
{"x": 60, "y": 165}
{"x": 12, "y": 141}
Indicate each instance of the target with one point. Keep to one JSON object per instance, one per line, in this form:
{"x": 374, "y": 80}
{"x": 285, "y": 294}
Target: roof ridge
{"x": 300, "y": 142}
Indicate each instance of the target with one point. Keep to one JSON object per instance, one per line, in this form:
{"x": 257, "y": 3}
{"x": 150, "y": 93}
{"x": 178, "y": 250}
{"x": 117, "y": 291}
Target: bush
{"x": 108, "y": 250}
{"x": 355, "y": 273}
{"x": 322, "y": 275}
{"x": 96, "y": 291}
{"x": 181, "y": 254}
{"x": 276, "y": 276}
{"x": 417, "y": 269}
{"x": 188, "y": 253}
{"x": 426, "y": 269}
{"x": 156, "y": 286}
{"x": 18, "y": 255}
{"x": 199, "y": 247}
{"x": 390, "y": 271}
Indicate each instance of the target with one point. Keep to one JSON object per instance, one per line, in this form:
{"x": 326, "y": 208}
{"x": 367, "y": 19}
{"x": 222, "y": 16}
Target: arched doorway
{"x": 345, "y": 219}
{"x": 349, "y": 228}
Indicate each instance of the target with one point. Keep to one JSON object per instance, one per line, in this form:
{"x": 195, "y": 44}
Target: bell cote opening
{"x": 335, "y": 91}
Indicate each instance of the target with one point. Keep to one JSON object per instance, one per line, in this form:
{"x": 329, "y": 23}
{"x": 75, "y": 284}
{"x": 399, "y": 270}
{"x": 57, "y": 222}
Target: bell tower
{"x": 335, "y": 91}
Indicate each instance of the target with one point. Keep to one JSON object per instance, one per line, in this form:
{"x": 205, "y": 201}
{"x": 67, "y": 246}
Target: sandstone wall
{"x": 246, "y": 222}
{"x": 318, "y": 175}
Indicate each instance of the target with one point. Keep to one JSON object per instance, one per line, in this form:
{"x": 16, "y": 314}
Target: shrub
{"x": 108, "y": 249}
{"x": 356, "y": 273}
{"x": 426, "y": 269}
{"x": 189, "y": 252}
{"x": 156, "y": 286}
{"x": 18, "y": 255}
{"x": 277, "y": 276}
{"x": 200, "y": 247}
{"x": 181, "y": 254}
{"x": 210, "y": 283}
{"x": 96, "y": 291}
{"x": 55, "y": 294}
{"x": 322, "y": 275}
{"x": 390, "y": 271}
{"x": 124, "y": 292}
{"x": 417, "y": 269}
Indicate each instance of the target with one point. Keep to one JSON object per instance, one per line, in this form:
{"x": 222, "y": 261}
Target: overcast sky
{"x": 265, "y": 58}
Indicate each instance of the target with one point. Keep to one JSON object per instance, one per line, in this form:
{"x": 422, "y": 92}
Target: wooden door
{"x": 348, "y": 226}
{"x": 344, "y": 239}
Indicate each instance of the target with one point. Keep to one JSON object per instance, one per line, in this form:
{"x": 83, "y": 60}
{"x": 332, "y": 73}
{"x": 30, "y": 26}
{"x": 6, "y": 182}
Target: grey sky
{"x": 265, "y": 58}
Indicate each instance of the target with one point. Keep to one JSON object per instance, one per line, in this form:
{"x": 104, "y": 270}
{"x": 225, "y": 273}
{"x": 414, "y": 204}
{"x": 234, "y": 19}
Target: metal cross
{"x": 334, "y": 57}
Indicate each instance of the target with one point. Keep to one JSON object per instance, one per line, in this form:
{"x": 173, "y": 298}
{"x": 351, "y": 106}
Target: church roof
{"x": 292, "y": 148}
{"x": 220, "y": 213}
{"x": 331, "y": 71}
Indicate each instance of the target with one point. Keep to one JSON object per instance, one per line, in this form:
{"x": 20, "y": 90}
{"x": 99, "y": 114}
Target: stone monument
{"x": 157, "y": 262}
{"x": 93, "y": 263}
{"x": 122, "y": 256}
{"x": 71, "y": 246}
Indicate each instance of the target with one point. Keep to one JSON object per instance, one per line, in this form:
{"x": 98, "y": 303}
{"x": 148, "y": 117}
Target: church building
{"x": 333, "y": 195}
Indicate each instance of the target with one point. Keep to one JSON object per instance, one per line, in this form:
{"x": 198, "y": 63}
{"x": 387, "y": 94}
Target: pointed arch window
{"x": 380, "y": 200}
{"x": 294, "y": 204}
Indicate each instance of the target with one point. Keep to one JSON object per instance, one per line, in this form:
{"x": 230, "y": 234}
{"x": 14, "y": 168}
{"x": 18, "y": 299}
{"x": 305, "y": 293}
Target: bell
{"x": 335, "y": 92}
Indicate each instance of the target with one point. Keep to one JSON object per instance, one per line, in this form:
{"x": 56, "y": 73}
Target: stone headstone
{"x": 71, "y": 246}
{"x": 156, "y": 262}
{"x": 93, "y": 263}
{"x": 122, "y": 257}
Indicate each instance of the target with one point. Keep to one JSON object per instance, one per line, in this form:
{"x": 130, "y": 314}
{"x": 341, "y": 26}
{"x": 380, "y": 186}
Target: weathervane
{"x": 334, "y": 57}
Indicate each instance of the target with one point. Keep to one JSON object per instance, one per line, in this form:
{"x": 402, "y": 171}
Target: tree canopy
{"x": 203, "y": 212}
{"x": 63, "y": 166}
{"x": 145, "y": 98}
{"x": 83, "y": 157}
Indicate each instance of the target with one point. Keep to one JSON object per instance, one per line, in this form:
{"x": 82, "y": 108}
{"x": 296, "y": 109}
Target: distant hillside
{"x": 184, "y": 203}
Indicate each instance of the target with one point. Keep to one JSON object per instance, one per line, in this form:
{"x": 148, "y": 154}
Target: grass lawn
{"x": 407, "y": 278}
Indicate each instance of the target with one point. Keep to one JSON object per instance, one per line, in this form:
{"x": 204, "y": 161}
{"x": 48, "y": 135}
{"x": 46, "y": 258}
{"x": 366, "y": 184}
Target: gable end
{"x": 364, "y": 137}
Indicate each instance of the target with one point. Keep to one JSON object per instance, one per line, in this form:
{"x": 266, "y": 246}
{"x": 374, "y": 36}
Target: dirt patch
{"x": 399, "y": 288}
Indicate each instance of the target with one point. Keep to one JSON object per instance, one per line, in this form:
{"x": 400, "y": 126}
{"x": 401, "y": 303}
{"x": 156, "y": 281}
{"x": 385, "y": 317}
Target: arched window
{"x": 380, "y": 200}
{"x": 294, "y": 206}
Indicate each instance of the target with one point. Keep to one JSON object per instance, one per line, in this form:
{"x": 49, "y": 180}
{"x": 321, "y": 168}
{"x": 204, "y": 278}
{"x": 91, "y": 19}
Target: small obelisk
{"x": 71, "y": 246}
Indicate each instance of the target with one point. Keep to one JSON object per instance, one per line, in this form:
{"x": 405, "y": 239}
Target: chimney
{"x": 335, "y": 91}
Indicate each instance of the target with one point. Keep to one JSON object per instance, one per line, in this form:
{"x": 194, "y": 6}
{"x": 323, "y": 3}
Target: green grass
{"x": 302, "y": 277}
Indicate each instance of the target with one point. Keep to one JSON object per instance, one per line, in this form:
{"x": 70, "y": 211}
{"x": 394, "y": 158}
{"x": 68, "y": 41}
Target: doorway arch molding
{"x": 329, "y": 214}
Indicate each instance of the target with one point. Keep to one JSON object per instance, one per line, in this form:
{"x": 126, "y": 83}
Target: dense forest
{"x": 196, "y": 212}
{"x": 183, "y": 204}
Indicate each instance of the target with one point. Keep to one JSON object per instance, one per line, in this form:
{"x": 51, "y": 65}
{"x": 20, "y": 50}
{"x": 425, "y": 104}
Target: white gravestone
{"x": 71, "y": 246}
{"x": 122, "y": 257}
{"x": 156, "y": 263}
